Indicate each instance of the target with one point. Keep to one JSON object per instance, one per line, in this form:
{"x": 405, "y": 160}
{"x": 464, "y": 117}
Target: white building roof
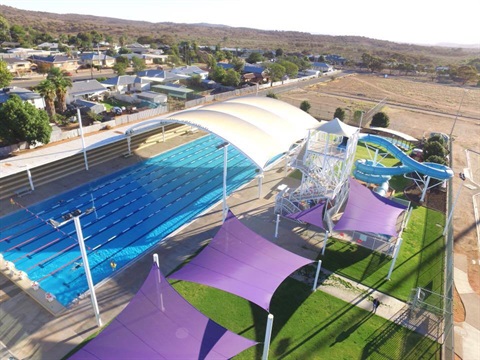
{"x": 259, "y": 127}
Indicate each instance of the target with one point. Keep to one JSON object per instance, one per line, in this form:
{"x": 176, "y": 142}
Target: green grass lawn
{"x": 309, "y": 325}
{"x": 419, "y": 263}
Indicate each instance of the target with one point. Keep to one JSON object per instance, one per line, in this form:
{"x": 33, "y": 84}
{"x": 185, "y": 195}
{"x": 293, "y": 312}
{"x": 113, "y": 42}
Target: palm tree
{"x": 62, "y": 82}
{"x": 47, "y": 89}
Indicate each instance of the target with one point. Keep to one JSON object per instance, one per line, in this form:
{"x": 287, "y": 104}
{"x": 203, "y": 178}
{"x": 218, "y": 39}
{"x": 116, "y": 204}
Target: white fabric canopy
{"x": 259, "y": 127}
{"x": 337, "y": 127}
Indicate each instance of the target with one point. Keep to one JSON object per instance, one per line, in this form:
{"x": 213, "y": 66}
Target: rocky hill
{"x": 351, "y": 47}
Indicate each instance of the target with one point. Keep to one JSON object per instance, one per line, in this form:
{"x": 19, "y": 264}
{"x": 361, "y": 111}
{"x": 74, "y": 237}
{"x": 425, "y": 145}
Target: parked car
{"x": 116, "y": 110}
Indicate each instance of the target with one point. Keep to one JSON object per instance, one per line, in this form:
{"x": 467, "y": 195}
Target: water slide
{"x": 366, "y": 170}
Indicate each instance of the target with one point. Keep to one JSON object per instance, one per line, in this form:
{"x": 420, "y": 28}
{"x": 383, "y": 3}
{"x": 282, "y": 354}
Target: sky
{"x": 425, "y": 22}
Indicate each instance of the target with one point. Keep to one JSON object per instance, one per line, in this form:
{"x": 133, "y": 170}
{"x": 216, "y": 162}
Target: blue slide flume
{"x": 367, "y": 168}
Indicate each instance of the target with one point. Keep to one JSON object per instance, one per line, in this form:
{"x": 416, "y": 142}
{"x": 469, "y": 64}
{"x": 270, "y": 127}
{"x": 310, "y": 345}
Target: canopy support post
{"x": 79, "y": 117}
{"x": 395, "y": 255}
{"x": 325, "y": 242}
{"x": 129, "y": 143}
{"x": 319, "y": 267}
{"x": 268, "y": 336}
{"x": 30, "y": 179}
{"x": 260, "y": 177}
{"x": 155, "y": 260}
{"x": 276, "y": 225}
{"x": 425, "y": 188}
{"x": 224, "y": 145}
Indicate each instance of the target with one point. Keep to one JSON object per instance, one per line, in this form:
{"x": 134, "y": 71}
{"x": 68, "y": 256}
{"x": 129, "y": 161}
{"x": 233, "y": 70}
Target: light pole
{"x": 75, "y": 215}
{"x": 225, "y": 159}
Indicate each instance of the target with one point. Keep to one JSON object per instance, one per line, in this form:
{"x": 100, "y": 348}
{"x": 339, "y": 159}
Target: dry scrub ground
{"x": 416, "y": 107}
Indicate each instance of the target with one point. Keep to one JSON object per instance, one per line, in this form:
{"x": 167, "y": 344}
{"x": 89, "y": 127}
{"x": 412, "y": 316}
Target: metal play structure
{"x": 325, "y": 160}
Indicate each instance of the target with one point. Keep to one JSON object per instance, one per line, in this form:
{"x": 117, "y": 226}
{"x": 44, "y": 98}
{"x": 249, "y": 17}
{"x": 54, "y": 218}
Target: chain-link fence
{"x": 448, "y": 352}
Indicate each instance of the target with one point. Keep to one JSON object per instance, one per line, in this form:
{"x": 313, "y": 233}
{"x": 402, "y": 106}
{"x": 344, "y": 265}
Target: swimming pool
{"x": 135, "y": 209}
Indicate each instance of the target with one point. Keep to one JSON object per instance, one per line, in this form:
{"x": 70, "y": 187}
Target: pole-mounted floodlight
{"x": 75, "y": 215}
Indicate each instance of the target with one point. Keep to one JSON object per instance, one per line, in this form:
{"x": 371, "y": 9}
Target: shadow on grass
{"x": 391, "y": 341}
{"x": 343, "y": 254}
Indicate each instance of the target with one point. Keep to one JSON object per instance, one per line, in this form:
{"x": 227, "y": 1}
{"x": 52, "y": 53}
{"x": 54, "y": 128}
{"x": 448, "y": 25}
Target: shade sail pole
{"x": 319, "y": 267}
{"x": 79, "y": 117}
{"x": 129, "y": 143}
{"x": 260, "y": 181}
{"x": 325, "y": 242}
{"x": 396, "y": 250}
{"x": 225, "y": 159}
{"x": 268, "y": 337}
{"x": 224, "y": 146}
{"x": 276, "y": 225}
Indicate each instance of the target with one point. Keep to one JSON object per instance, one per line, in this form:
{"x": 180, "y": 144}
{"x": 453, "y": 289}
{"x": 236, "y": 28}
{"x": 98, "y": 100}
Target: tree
{"x": 5, "y": 75}
{"x": 305, "y": 106}
{"x": 436, "y": 159}
{"x": 238, "y": 64}
{"x": 291, "y": 69}
{"x": 232, "y": 78}
{"x": 255, "y": 57}
{"x": 339, "y": 114}
{"x": 218, "y": 74}
{"x": 120, "y": 68}
{"x": 434, "y": 148}
{"x": 4, "y": 29}
{"x": 467, "y": 73}
{"x": 380, "y": 119}
{"x": 138, "y": 64}
{"x": 47, "y": 89}
{"x": 62, "y": 82}
{"x": 276, "y": 71}
{"x": 21, "y": 121}
{"x": 278, "y": 52}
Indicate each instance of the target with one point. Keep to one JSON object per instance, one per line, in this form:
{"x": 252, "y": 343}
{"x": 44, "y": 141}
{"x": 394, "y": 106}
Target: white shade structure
{"x": 259, "y": 127}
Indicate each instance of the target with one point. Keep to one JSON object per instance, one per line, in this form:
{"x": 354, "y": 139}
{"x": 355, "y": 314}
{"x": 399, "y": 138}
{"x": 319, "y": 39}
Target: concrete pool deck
{"x": 29, "y": 331}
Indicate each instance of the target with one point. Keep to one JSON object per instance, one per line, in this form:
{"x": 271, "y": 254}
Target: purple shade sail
{"x": 241, "y": 262}
{"x": 369, "y": 212}
{"x": 159, "y": 323}
{"x": 313, "y": 216}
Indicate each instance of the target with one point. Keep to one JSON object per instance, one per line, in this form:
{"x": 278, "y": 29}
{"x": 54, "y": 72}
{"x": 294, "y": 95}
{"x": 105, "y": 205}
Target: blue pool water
{"x": 135, "y": 209}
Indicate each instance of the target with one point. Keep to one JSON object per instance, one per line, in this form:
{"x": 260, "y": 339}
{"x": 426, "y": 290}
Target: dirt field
{"x": 416, "y": 107}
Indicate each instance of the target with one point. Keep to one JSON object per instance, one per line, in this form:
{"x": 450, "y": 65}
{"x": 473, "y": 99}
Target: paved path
{"x": 30, "y": 332}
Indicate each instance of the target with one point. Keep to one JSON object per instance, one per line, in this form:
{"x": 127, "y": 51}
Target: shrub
{"x": 305, "y": 106}
{"x": 339, "y": 114}
{"x": 380, "y": 119}
{"x": 434, "y": 148}
{"x": 272, "y": 95}
{"x": 436, "y": 159}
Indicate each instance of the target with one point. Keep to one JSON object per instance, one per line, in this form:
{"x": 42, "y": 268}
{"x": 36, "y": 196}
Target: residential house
{"x": 153, "y": 97}
{"x": 189, "y": 71}
{"x": 121, "y": 84}
{"x": 173, "y": 90}
{"x": 26, "y": 95}
{"x": 86, "y": 89}
{"x": 321, "y": 66}
{"x": 148, "y": 59}
{"x": 97, "y": 59}
{"x": 53, "y": 47}
{"x": 160, "y": 76}
{"x": 59, "y": 61}
{"x": 85, "y": 106}
{"x": 9, "y": 44}
{"x": 138, "y": 48}
{"x": 335, "y": 59}
{"x": 250, "y": 73}
{"x": 26, "y": 52}
{"x": 18, "y": 66}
